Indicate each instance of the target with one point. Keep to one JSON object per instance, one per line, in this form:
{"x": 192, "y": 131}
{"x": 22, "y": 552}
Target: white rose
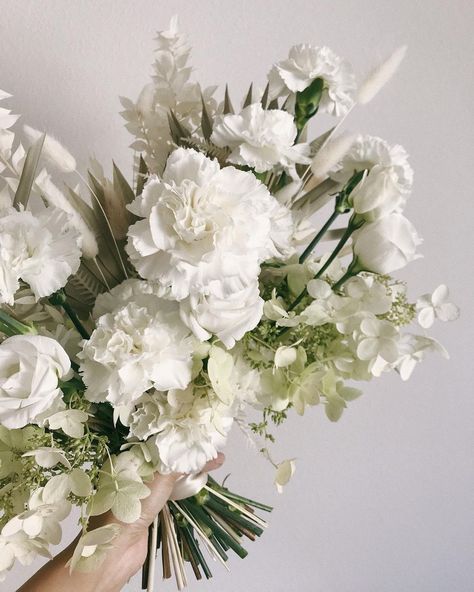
{"x": 368, "y": 152}
{"x": 307, "y": 62}
{"x": 261, "y": 139}
{"x": 377, "y": 194}
{"x": 386, "y": 245}
{"x": 30, "y": 369}
{"x": 227, "y": 304}
{"x": 196, "y": 212}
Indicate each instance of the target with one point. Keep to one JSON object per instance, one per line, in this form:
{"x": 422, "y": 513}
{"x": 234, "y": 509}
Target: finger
{"x": 214, "y": 464}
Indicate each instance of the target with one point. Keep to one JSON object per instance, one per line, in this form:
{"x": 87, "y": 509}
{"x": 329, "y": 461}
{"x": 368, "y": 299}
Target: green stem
{"x": 352, "y": 271}
{"x": 11, "y": 326}
{"x": 345, "y": 237}
{"x": 305, "y": 254}
{"x": 59, "y": 299}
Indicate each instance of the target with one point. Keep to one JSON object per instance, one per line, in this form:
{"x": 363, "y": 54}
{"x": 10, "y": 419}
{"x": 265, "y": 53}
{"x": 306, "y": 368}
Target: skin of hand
{"x": 125, "y": 558}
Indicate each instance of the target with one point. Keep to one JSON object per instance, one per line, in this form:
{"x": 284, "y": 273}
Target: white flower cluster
{"x": 134, "y": 332}
{"x": 204, "y": 232}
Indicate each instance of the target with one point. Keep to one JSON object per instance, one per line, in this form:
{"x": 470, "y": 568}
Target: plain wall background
{"x": 381, "y": 501}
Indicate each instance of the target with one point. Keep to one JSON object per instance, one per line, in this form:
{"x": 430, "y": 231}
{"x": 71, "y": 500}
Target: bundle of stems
{"x": 215, "y": 519}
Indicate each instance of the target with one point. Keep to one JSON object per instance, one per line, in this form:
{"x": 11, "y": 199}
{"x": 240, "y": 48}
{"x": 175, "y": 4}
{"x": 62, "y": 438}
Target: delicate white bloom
{"x": 53, "y": 150}
{"x": 199, "y": 212}
{"x": 93, "y": 547}
{"x": 42, "y": 250}
{"x": 134, "y": 348}
{"x": 326, "y": 307}
{"x": 378, "y": 339}
{"x": 227, "y": 303}
{"x": 120, "y": 489}
{"x": 305, "y": 388}
{"x": 413, "y": 349}
{"x": 370, "y": 295}
{"x": 70, "y": 421}
{"x": 307, "y": 62}
{"x": 144, "y": 419}
{"x": 368, "y": 152}
{"x": 380, "y": 75}
{"x": 284, "y": 472}
{"x": 386, "y": 245}
{"x": 436, "y": 306}
{"x": 219, "y": 368}
{"x": 331, "y": 155}
{"x": 192, "y": 430}
{"x": 30, "y": 369}
{"x": 261, "y": 139}
{"x": 275, "y": 310}
{"x": 48, "y": 457}
{"x": 285, "y": 356}
{"x": 335, "y": 392}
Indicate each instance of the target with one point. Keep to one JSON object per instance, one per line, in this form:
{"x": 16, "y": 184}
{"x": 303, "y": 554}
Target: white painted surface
{"x": 382, "y": 501}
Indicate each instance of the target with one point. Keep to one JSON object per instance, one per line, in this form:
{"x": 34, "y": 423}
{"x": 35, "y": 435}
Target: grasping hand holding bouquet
{"x": 245, "y": 269}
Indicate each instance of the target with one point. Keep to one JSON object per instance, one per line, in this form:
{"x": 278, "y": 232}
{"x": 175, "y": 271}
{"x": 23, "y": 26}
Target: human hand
{"x": 125, "y": 558}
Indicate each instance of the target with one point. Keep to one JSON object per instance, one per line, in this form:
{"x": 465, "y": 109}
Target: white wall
{"x": 382, "y": 501}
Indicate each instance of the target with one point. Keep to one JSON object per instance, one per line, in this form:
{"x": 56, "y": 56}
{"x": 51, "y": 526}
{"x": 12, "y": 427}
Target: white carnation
{"x": 192, "y": 430}
{"x": 42, "y": 250}
{"x": 227, "y": 303}
{"x": 261, "y": 139}
{"x": 198, "y": 212}
{"x": 134, "y": 348}
{"x": 30, "y": 369}
{"x": 307, "y": 62}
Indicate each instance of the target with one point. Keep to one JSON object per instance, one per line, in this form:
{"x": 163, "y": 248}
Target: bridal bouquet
{"x": 243, "y": 274}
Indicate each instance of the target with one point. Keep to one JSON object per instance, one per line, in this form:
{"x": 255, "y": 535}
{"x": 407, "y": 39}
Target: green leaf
{"x": 206, "y": 122}
{"x": 307, "y": 102}
{"x": 227, "y": 104}
{"x": 121, "y": 186}
{"x": 177, "y": 130}
{"x": 264, "y": 99}
{"x": 142, "y": 175}
{"x": 273, "y": 104}
{"x": 248, "y": 98}
{"x": 22, "y": 194}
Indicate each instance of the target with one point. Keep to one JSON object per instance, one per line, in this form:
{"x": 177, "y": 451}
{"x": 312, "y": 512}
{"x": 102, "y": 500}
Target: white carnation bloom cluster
{"x": 204, "y": 232}
{"x": 307, "y": 62}
{"x": 136, "y": 330}
{"x": 261, "y": 139}
{"x": 42, "y": 250}
{"x": 138, "y": 344}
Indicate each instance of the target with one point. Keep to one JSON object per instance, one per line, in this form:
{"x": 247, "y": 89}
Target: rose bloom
{"x": 30, "y": 369}
{"x": 386, "y": 245}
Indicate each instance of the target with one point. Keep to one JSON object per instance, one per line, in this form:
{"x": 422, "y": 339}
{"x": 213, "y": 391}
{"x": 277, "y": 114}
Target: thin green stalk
{"x": 345, "y": 237}
{"x": 305, "y": 254}
{"x": 60, "y": 299}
